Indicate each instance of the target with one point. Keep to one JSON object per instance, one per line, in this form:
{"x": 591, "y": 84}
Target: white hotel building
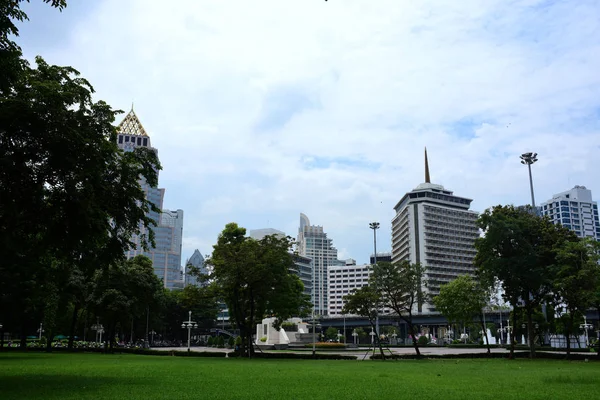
{"x": 435, "y": 228}
{"x": 574, "y": 209}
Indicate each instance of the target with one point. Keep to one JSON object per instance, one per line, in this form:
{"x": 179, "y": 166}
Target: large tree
{"x": 463, "y": 300}
{"x": 254, "y": 279}
{"x": 577, "y": 280}
{"x": 365, "y": 302}
{"x": 70, "y": 198}
{"x": 400, "y": 287}
{"x": 123, "y": 292}
{"x": 518, "y": 250}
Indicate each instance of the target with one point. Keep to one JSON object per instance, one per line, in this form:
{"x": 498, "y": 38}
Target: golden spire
{"x": 131, "y": 125}
{"x": 427, "y": 178}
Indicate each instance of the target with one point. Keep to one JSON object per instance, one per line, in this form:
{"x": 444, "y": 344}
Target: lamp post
{"x": 344, "y": 315}
{"x": 529, "y": 159}
{"x": 189, "y": 324}
{"x": 97, "y": 327}
{"x": 40, "y": 331}
{"x": 585, "y": 326}
{"x": 375, "y": 226}
{"x": 355, "y": 336}
{"x": 152, "y": 333}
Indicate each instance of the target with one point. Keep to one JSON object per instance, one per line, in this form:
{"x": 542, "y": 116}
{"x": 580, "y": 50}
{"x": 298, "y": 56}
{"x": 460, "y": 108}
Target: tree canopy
{"x": 254, "y": 279}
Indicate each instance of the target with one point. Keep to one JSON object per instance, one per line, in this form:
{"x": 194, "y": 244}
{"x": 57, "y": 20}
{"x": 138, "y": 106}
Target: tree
{"x": 124, "y": 291}
{"x": 462, "y": 300}
{"x": 331, "y": 334}
{"x": 400, "y": 287}
{"x": 364, "y": 302}
{"x": 254, "y": 279}
{"x": 70, "y": 198}
{"x": 518, "y": 250}
{"x": 577, "y": 280}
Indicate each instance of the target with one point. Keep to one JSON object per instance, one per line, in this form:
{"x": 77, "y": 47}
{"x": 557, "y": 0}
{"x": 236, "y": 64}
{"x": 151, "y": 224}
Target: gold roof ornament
{"x": 131, "y": 125}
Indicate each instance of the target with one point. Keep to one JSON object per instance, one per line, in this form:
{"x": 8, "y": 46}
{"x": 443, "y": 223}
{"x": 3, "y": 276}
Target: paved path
{"x": 360, "y": 353}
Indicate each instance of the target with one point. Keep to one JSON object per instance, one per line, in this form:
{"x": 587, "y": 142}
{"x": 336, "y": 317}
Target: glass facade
{"x": 166, "y": 254}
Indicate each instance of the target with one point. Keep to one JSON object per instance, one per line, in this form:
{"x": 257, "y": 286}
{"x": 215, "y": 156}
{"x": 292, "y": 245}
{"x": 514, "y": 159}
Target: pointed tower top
{"x": 427, "y": 178}
{"x": 131, "y": 125}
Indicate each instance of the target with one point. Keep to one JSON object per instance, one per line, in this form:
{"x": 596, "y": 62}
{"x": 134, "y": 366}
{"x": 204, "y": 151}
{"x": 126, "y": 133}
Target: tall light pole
{"x": 189, "y": 324}
{"x": 375, "y": 226}
{"x": 528, "y": 159}
{"x": 41, "y": 330}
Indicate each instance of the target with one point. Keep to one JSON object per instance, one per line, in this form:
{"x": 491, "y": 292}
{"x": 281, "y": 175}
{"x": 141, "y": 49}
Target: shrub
{"x": 423, "y": 341}
{"x": 263, "y": 339}
{"x": 220, "y": 342}
{"x": 326, "y": 345}
{"x": 210, "y": 341}
{"x": 231, "y": 341}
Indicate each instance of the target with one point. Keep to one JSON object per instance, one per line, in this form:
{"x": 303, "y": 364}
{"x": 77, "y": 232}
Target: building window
{"x": 120, "y": 138}
{"x": 145, "y": 141}
{"x": 126, "y": 138}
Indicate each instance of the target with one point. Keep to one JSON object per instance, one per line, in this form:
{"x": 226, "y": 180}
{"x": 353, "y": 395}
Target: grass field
{"x": 98, "y": 376}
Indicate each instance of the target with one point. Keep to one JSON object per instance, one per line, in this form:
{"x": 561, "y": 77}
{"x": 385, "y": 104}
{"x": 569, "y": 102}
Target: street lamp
{"x": 41, "y": 330}
{"x": 355, "y": 336}
{"x": 375, "y": 226}
{"x": 189, "y": 324}
{"x": 528, "y": 159}
{"x": 152, "y": 333}
{"x": 586, "y": 326}
{"x": 98, "y": 327}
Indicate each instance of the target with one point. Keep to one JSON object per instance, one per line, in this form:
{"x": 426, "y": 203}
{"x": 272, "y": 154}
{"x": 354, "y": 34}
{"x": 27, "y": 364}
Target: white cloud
{"x": 478, "y": 82}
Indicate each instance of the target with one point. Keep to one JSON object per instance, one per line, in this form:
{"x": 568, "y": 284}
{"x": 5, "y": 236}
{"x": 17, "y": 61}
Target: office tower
{"x": 166, "y": 255}
{"x": 381, "y": 257}
{"x": 302, "y": 265}
{"x": 314, "y": 244}
{"x": 435, "y": 228}
{"x": 196, "y": 261}
{"x": 259, "y": 234}
{"x": 576, "y": 210}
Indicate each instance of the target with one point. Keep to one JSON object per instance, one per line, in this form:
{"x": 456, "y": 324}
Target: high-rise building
{"x": 381, "y": 257}
{"x": 302, "y": 265}
{"x": 259, "y": 234}
{"x": 435, "y": 228}
{"x": 344, "y": 280}
{"x": 196, "y": 261}
{"x": 574, "y": 209}
{"x": 166, "y": 255}
{"x": 314, "y": 244}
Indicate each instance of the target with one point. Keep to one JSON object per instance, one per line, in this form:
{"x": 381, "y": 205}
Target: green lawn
{"x": 97, "y": 376}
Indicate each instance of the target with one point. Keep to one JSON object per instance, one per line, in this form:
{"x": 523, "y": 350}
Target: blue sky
{"x": 265, "y": 109}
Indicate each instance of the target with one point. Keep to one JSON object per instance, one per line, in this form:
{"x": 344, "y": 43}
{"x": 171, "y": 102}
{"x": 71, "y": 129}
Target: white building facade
{"x": 435, "y": 228}
{"x": 574, "y": 209}
{"x": 314, "y": 244}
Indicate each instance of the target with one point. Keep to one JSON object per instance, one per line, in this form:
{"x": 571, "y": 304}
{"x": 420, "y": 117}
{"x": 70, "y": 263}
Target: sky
{"x": 264, "y": 109}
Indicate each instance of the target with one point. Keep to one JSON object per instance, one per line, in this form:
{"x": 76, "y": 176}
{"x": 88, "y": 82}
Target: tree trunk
{"x": 568, "y": 334}
{"x": 414, "y": 339}
{"x": 530, "y": 337}
{"x": 76, "y": 308}
{"x": 512, "y": 334}
{"x": 378, "y": 340}
{"x": 49, "y": 340}
{"x": 23, "y": 341}
{"x": 484, "y": 330}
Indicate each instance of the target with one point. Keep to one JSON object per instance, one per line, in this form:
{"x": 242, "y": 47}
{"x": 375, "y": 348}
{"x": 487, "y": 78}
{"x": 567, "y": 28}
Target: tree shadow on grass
{"x": 55, "y": 386}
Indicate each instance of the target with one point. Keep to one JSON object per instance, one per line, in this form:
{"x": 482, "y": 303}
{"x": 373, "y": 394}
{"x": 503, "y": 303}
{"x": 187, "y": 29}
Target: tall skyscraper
{"x": 302, "y": 265}
{"x": 314, "y": 244}
{"x": 197, "y": 261}
{"x": 166, "y": 255}
{"x": 574, "y": 209}
{"x": 435, "y": 228}
{"x": 259, "y": 234}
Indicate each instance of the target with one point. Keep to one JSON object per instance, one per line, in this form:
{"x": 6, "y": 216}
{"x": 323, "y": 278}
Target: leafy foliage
{"x": 254, "y": 279}
{"x": 400, "y": 287}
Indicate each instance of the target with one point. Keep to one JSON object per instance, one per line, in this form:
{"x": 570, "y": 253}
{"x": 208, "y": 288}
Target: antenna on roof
{"x": 427, "y": 178}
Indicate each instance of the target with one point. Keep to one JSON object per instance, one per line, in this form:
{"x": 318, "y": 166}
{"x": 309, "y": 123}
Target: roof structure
{"x": 427, "y": 178}
{"x": 131, "y": 125}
